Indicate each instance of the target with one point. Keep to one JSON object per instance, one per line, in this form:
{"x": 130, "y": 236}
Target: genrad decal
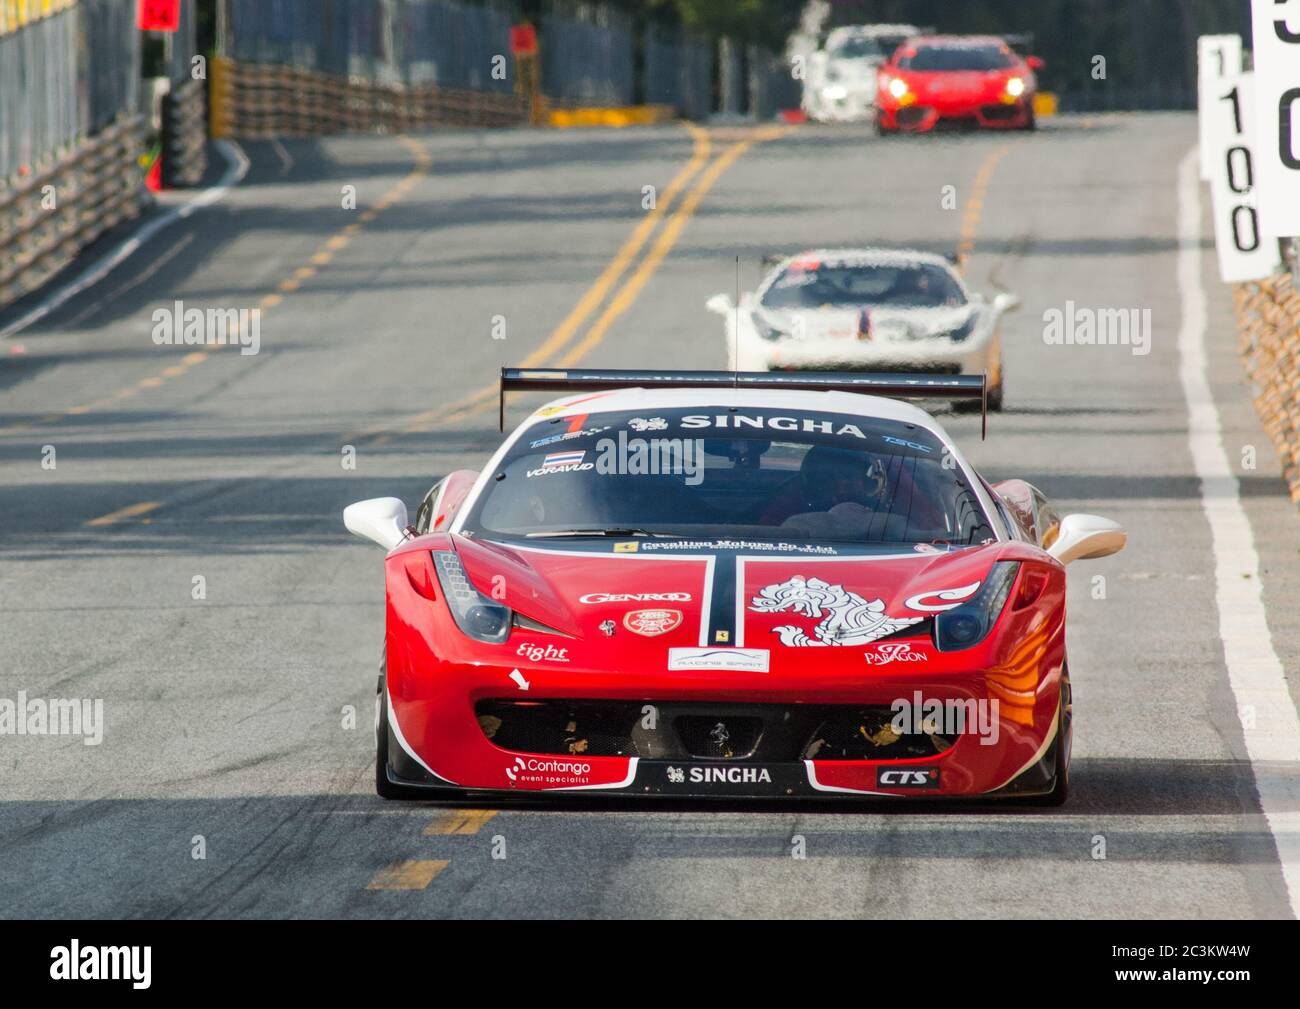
{"x": 745, "y": 660}
{"x": 845, "y": 617}
{"x": 651, "y": 623}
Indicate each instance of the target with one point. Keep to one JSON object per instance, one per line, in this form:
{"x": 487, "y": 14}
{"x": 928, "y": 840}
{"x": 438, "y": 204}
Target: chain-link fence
{"x": 678, "y": 71}
{"x": 388, "y": 42}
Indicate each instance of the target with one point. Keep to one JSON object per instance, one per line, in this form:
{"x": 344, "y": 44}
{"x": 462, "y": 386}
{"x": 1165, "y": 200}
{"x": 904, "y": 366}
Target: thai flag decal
{"x": 562, "y": 459}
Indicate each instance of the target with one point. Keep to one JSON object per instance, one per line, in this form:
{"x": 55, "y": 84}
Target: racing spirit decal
{"x": 845, "y": 617}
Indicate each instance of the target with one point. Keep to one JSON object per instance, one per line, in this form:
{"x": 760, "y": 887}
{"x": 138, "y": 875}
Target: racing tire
{"x": 995, "y": 398}
{"x": 882, "y": 130}
{"x": 1031, "y": 122}
{"x": 1060, "y": 792}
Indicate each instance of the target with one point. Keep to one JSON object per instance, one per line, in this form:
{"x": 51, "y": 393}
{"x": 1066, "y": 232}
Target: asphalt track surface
{"x": 226, "y": 717}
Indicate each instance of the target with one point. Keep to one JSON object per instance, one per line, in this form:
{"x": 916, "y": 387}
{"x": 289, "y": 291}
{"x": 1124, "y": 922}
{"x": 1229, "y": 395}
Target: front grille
{"x": 911, "y": 115}
{"x": 702, "y": 730}
{"x": 1000, "y": 113}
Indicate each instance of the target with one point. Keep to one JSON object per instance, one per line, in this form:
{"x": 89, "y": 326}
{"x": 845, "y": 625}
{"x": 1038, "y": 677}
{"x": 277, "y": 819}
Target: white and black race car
{"x": 866, "y": 309}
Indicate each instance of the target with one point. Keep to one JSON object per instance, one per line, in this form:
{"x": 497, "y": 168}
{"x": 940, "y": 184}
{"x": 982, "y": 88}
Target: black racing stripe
{"x": 722, "y": 609}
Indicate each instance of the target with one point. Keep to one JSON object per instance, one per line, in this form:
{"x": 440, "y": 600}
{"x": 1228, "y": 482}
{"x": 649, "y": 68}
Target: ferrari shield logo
{"x": 652, "y": 623}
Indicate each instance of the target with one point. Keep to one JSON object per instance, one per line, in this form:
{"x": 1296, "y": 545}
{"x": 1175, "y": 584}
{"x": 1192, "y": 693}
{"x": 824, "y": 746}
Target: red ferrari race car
{"x": 975, "y": 80}
{"x": 727, "y": 584}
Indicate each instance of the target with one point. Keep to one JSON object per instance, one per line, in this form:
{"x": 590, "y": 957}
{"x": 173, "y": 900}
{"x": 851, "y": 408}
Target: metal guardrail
{"x": 52, "y": 216}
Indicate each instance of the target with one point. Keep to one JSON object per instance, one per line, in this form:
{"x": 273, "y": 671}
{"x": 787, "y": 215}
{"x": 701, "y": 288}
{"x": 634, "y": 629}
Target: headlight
{"x": 767, "y": 331}
{"x": 475, "y": 614}
{"x": 1016, "y": 87}
{"x": 835, "y": 92}
{"x": 898, "y": 87}
{"x": 969, "y": 624}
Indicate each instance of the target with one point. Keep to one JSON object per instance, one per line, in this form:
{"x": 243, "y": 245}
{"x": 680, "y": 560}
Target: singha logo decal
{"x": 846, "y": 618}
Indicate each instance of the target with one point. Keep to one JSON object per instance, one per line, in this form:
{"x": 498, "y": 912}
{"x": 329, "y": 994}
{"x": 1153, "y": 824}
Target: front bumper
{"x": 945, "y": 355}
{"x": 923, "y": 115}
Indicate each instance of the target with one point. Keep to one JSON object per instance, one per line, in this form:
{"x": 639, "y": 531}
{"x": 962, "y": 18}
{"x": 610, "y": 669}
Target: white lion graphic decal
{"x": 846, "y": 618}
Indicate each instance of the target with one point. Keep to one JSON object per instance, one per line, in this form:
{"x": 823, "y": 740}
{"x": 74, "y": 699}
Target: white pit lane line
{"x": 236, "y": 168}
{"x": 1254, "y": 670}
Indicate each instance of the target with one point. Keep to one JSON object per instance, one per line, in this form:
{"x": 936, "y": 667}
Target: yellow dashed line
{"x": 337, "y": 242}
{"x": 459, "y": 821}
{"x": 304, "y": 272}
{"x": 174, "y": 370}
{"x": 271, "y": 300}
{"x": 288, "y": 286}
{"x": 125, "y": 513}
{"x": 408, "y": 874}
{"x": 198, "y": 357}
{"x": 321, "y": 258}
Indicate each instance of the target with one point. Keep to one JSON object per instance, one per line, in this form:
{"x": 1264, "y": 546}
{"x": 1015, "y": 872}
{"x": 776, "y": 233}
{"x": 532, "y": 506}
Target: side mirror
{"x": 380, "y": 519}
{"x": 719, "y": 303}
{"x": 1035, "y": 63}
{"x": 1083, "y": 537}
{"x": 1006, "y": 303}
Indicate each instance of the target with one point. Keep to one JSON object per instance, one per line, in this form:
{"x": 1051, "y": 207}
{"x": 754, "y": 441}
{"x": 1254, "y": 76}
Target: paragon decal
{"x": 720, "y": 775}
{"x": 845, "y": 617}
{"x": 552, "y": 771}
{"x": 745, "y": 660}
{"x": 635, "y": 597}
{"x": 651, "y": 623}
{"x": 542, "y": 653}
{"x": 923, "y": 601}
{"x": 907, "y": 777}
{"x": 893, "y": 651}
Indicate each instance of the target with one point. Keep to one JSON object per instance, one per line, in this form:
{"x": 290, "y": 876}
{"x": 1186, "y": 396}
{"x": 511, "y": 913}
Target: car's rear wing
{"x": 902, "y": 385}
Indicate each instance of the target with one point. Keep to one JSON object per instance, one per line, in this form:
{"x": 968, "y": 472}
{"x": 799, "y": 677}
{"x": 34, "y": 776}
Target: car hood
{"x": 956, "y": 83}
{"x": 887, "y": 324}
{"x": 643, "y": 595}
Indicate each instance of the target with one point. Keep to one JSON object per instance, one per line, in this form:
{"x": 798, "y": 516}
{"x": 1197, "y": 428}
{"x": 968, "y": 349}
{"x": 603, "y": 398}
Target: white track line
{"x": 1254, "y": 670}
{"x": 236, "y": 168}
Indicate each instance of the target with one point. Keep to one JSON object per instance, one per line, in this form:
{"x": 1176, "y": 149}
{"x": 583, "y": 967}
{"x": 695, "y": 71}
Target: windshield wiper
{"x": 599, "y": 531}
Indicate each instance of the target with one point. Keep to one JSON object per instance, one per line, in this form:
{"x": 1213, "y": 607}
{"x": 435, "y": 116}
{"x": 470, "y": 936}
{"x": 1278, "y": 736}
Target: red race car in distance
{"x": 975, "y": 80}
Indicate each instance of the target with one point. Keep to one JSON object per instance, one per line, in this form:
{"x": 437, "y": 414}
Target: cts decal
{"x": 907, "y": 777}
{"x": 635, "y": 597}
{"x": 744, "y": 660}
{"x": 652, "y": 623}
{"x": 845, "y": 617}
{"x": 893, "y": 651}
{"x": 542, "y": 653}
{"x": 923, "y": 601}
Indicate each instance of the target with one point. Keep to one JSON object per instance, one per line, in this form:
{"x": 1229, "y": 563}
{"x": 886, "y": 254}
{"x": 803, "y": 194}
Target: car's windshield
{"x": 941, "y": 58}
{"x": 713, "y": 472}
{"x": 806, "y": 284}
{"x": 856, "y": 49}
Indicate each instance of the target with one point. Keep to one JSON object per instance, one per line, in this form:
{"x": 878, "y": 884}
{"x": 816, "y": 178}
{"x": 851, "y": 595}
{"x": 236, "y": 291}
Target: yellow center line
{"x": 408, "y": 874}
{"x": 459, "y": 821}
{"x": 131, "y": 511}
{"x": 974, "y": 211}
{"x": 588, "y": 303}
{"x": 662, "y": 246}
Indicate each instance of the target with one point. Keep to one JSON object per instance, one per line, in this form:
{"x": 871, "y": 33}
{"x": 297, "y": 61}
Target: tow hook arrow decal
{"x": 520, "y": 682}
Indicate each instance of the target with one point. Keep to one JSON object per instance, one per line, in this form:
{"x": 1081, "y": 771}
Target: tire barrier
{"x": 1268, "y": 325}
{"x": 265, "y": 100}
{"x": 51, "y": 217}
{"x": 184, "y": 134}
